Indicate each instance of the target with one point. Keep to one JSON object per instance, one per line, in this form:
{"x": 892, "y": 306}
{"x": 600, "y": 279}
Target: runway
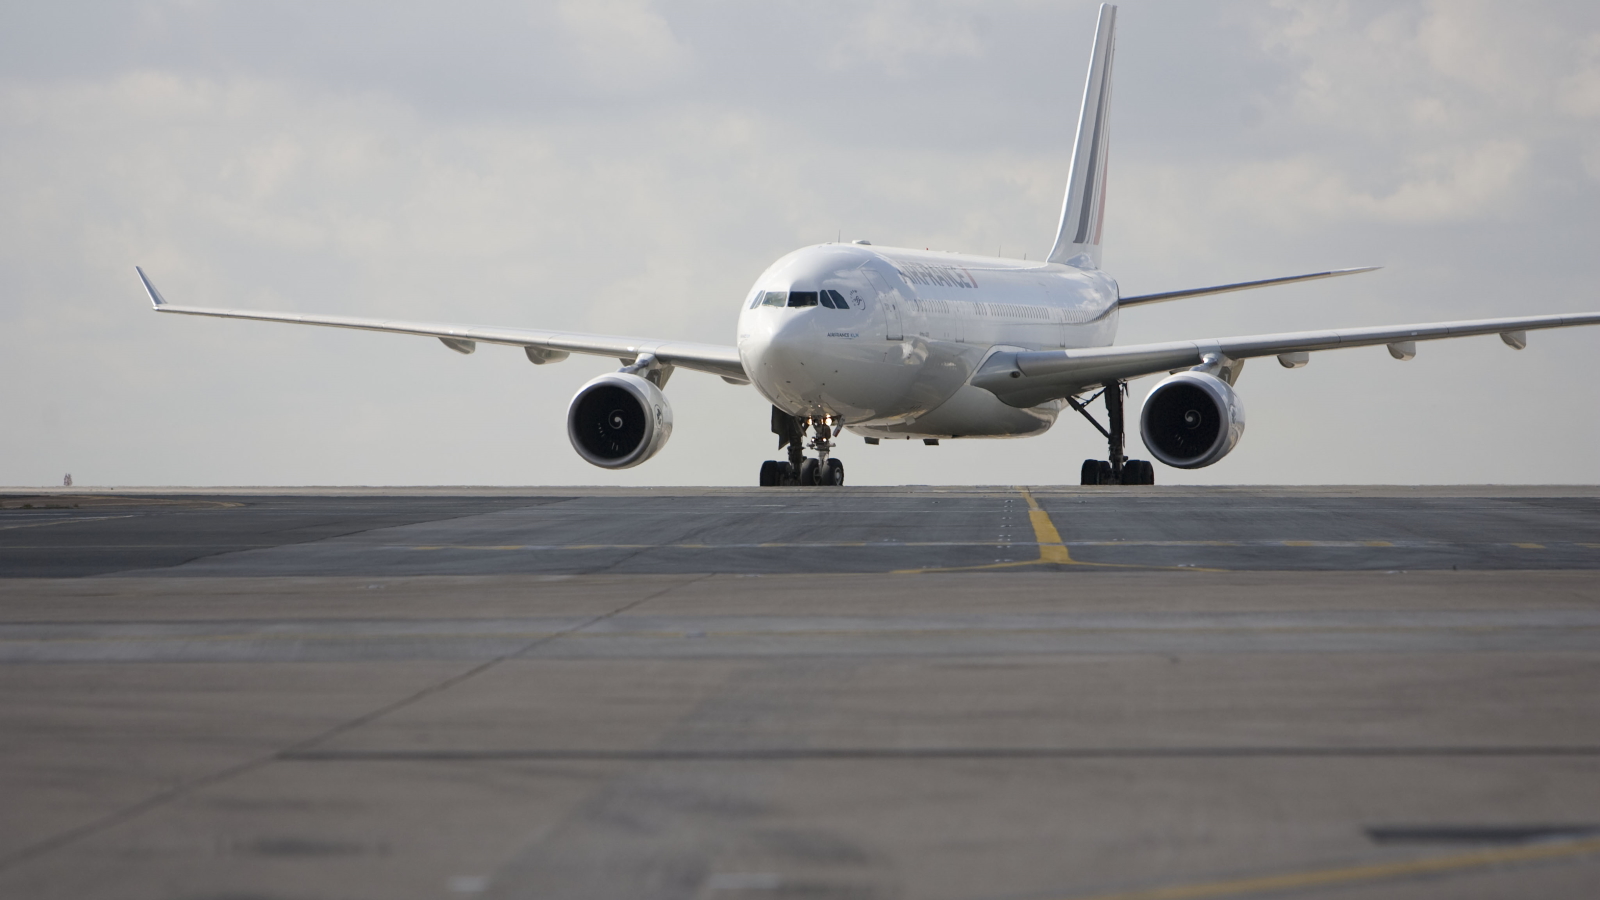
{"x": 987, "y": 692}
{"x": 782, "y": 531}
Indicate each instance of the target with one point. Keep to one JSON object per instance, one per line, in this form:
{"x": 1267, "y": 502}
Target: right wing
{"x": 1025, "y": 378}
{"x": 542, "y": 346}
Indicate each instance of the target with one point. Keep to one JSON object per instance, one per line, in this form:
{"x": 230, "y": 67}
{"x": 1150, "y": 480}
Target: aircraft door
{"x": 890, "y": 300}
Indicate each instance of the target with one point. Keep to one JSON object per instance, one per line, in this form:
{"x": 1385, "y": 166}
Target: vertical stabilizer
{"x": 1078, "y": 240}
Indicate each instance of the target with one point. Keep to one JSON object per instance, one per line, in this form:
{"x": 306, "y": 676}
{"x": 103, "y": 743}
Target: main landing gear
{"x": 1118, "y": 469}
{"x": 800, "y": 469}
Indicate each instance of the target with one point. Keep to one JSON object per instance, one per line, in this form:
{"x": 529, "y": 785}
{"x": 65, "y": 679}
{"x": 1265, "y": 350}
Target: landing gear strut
{"x": 799, "y": 469}
{"x": 1117, "y": 469}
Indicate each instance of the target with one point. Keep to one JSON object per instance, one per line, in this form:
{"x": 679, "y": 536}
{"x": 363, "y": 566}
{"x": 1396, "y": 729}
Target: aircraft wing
{"x": 1025, "y": 378}
{"x": 541, "y": 346}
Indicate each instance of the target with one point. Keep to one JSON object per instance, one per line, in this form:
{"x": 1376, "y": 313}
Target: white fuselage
{"x": 896, "y": 362}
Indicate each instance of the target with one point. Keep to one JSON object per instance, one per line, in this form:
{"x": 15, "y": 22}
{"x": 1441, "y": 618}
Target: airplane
{"x": 897, "y": 343}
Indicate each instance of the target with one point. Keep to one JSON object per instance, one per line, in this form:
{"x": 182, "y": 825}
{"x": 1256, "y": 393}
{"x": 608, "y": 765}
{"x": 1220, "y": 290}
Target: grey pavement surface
{"x": 792, "y": 530}
{"x": 858, "y": 693}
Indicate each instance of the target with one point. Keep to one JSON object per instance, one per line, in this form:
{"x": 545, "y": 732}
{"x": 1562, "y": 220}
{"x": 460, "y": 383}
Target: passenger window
{"x": 776, "y": 298}
{"x": 802, "y": 298}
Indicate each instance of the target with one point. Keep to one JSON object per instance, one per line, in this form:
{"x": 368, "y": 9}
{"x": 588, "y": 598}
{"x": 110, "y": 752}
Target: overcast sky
{"x": 631, "y": 167}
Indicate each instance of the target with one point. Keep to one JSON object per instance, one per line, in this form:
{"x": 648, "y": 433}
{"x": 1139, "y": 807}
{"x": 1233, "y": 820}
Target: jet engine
{"x": 1191, "y": 420}
{"x": 619, "y": 420}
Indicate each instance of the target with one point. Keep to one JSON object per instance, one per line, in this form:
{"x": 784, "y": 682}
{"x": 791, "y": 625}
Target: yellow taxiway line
{"x": 1052, "y": 549}
{"x": 65, "y": 521}
{"x": 1313, "y": 878}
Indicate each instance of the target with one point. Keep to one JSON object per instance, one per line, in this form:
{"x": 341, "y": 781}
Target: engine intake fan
{"x": 1191, "y": 420}
{"x": 619, "y": 420}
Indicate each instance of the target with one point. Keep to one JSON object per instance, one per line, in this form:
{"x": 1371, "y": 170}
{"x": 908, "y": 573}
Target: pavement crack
{"x": 162, "y": 798}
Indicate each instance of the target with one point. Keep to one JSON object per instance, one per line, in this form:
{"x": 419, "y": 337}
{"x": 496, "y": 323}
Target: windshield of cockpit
{"x": 830, "y": 298}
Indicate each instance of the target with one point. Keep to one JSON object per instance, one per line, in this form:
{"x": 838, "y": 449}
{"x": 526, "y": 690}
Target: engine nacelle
{"x": 1191, "y": 420}
{"x": 619, "y": 420}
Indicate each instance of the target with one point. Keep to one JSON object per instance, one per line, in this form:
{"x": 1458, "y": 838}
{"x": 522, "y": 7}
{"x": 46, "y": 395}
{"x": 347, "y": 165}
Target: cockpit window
{"x": 757, "y": 301}
{"x": 834, "y": 299}
{"x": 802, "y": 298}
{"x": 775, "y": 298}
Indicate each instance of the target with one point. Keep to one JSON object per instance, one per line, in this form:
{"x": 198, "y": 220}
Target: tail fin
{"x": 1078, "y": 240}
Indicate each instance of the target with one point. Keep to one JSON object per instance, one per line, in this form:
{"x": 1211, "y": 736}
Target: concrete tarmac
{"x": 984, "y": 692}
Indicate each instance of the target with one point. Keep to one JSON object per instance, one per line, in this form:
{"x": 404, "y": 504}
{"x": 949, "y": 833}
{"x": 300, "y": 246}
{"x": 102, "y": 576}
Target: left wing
{"x": 1025, "y": 378}
{"x": 541, "y": 346}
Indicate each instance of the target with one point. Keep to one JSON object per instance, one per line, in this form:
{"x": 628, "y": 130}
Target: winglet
{"x": 156, "y": 300}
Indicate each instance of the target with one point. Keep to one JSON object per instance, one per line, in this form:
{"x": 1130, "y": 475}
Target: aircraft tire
{"x": 771, "y": 473}
{"x": 833, "y": 473}
{"x": 808, "y": 474}
{"x": 1104, "y": 467}
{"x": 1090, "y": 473}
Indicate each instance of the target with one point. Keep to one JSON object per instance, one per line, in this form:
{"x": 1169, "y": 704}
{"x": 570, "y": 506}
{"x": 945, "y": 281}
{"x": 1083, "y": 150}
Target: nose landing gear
{"x": 1119, "y": 469}
{"x": 799, "y": 469}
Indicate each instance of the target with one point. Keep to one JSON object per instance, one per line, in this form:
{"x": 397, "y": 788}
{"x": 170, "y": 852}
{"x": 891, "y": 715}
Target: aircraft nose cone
{"x": 793, "y": 340}
{"x": 776, "y": 354}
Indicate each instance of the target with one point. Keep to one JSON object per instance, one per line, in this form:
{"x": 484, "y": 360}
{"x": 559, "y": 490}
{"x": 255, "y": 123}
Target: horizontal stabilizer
{"x": 1241, "y": 286}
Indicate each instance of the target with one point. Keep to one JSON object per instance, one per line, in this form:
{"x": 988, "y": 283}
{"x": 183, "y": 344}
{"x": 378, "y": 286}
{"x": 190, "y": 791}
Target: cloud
{"x": 1434, "y": 68}
{"x": 1579, "y": 92}
{"x": 886, "y": 36}
{"x": 1437, "y": 187}
{"x": 622, "y": 45}
{"x": 1409, "y": 114}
